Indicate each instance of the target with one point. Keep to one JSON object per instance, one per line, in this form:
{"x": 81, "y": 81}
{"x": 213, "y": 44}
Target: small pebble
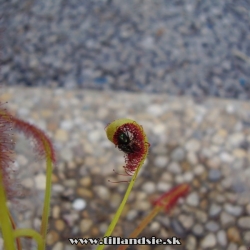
{"x": 52, "y": 237}
{"x": 58, "y": 246}
{"x": 246, "y": 237}
{"x": 199, "y": 169}
{"x": 193, "y": 199}
{"x": 79, "y": 204}
{"x": 85, "y": 181}
{"x": 226, "y": 157}
{"x": 154, "y": 227}
{"x": 174, "y": 168}
{"x": 214, "y": 175}
{"x": 208, "y": 241}
{"x": 71, "y": 218}
{"x": 233, "y": 210}
{"x": 56, "y": 211}
{"x": 102, "y": 192}
{"x": 222, "y": 238}
{"x": 149, "y": 187}
{"x": 212, "y": 226}
{"x": 161, "y": 161}
{"x": 40, "y": 181}
{"x": 85, "y": 225}
{"x": 61, "y": 135}
{"x": 233, "y": 235}
{"x": 178, "y": 154}
{"x": 163, "y": 186}
{"x": 198, "y": 229}
{"x": 132, "y": 214}
{"x": 244, "y": 222}
{"x": 232, "y": 246}
{"x": 226, "y": 219}
{"x": 191, "y": 242}
{"x": 27, "y": 183}
{"x": 214, "y": 210}
{"x": 188, "y": 176}
{"x": 186, "y": 221}
{"x": 193, "y": 145}
{"x": 178, "y": 228}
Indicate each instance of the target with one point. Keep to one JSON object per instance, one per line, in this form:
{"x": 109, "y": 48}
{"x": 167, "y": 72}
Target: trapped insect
{"x": 130, "y": 138}
{"x": 127, "y": 143}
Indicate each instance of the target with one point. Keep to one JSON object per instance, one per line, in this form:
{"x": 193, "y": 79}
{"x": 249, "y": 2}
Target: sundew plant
{"x": 43, "y": 147}
{"x": 125, "y": 134}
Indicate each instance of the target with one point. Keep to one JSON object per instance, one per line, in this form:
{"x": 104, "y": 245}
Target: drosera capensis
{"x": 138, "y": 150}
{"x": 44, "y": 148}
{"x": 126, "y": 134}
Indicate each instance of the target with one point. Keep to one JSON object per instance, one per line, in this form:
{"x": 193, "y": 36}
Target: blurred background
{"x": 181, "y": 69}
{"x": 192, "y": 47}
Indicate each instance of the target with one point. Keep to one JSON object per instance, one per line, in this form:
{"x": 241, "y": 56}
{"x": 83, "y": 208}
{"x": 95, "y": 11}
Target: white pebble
{"x": 161, "y": 161}
{"x": 193, "y": 199}
{"x": 188, "y": 176}
{"x": 163, "y": 186}
{"x": 79, "y": 204}
{"x": 149, "y": 187}
{"x": 155, "y": 110}
{"x": 40, "y": 181}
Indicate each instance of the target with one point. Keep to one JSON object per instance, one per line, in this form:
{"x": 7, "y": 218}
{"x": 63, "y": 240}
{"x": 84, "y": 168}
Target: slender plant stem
{"x": 142, "y": 225}
{"x": 18, "y": 241}
{"x": 46, "y": 206}
{"x": 110, "y": 134}
{"x": 168, "y": 200}
{"x": 5, "y": 222}
{"x": 119, "y": 210}
{"x": 145, "y": 222}
{"x": 27, "y": 232}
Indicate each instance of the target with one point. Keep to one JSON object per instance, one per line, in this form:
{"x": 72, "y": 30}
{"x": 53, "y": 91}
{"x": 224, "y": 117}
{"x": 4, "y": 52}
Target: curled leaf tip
{"x": 131, "y": 139}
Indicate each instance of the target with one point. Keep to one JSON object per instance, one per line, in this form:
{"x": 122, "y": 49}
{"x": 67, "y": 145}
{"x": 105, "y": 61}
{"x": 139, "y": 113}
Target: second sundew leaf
{"x": 44, "y": 148}
{"x": 130, "y": 138}
{"x": 167, "y": 200}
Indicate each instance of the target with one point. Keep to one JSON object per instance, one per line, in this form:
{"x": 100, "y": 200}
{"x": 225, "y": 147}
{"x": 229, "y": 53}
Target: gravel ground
{"x": 198, "y": 48}
{"x": 203, "y": 144}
